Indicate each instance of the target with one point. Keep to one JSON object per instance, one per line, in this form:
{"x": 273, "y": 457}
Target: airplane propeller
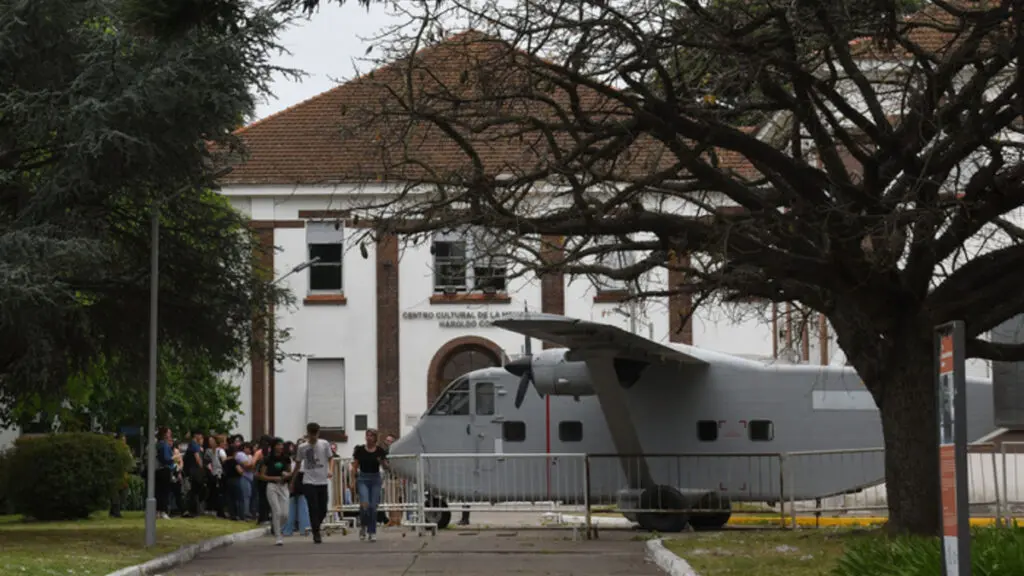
{"x": 522, "y": 367}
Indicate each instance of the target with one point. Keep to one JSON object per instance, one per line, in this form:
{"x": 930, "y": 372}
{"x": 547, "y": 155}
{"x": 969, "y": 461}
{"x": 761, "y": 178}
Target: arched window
{"x": 460, "y": 360}
{"x": 466, "y": 359}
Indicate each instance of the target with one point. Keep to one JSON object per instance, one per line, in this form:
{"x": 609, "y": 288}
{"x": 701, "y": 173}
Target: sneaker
{"x": 280, "y": 541}
{"x": 165, "y": 516}
{"x": 373, "y": 537}
{"x": 316, "y": 538}
{"x": 362, "y": 533}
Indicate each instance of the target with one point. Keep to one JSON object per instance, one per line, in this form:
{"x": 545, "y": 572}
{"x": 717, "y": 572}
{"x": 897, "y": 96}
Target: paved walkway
{"x": 452, "y": 552}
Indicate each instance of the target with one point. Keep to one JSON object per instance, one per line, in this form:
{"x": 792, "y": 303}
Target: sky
{"x": 325, "y": 47}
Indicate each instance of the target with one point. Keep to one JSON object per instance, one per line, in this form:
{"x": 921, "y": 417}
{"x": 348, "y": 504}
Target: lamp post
{"x": 154, "y": 271}
{"x": 270, "y": 331}
{"x": 154, "y": 285}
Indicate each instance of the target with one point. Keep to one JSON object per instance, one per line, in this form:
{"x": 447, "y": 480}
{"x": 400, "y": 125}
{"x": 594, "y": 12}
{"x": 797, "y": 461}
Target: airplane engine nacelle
{"x": 553, "y": 374}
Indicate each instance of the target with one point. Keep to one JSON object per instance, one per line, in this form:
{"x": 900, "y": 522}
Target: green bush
{"x": 67, "y": 476}
{"x": 135, "y": 498}
{"x": 994, "y": 552}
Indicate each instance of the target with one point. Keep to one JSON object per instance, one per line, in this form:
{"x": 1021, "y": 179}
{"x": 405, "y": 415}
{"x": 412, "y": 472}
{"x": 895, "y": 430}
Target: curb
{"x": 187, "y": 553}
{"x": 601, "y": 521}
{"x": 668, "y": 562}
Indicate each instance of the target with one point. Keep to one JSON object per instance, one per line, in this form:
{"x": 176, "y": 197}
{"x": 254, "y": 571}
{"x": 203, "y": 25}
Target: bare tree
{"x": 876, "y": 185}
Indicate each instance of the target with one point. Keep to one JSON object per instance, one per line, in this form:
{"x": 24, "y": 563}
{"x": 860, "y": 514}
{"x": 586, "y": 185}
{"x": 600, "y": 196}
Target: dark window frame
{"x": 518, "y": 425}
{"x": 494, "y": 397}
{"x": 769, "y": 429}
{"x": 333, "y": 263}
{"x": 574, "y": 425}
{"x": 704, "y": 426}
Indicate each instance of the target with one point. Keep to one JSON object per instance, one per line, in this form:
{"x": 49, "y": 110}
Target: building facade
{"x": 379, "y": 326}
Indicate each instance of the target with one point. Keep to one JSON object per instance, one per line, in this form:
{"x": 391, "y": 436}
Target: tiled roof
{"x": 933, "y": 29}
{"x": 359, "y": 130}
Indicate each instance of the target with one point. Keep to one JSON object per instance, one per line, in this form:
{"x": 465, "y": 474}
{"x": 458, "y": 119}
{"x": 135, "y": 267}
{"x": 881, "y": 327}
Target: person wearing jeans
{"x": 314, "y": 457}
{"x": 298, "y": 510}
{"x": 235, "y": 484}
{"x": 367, "y": 460}
{"x": 164, "y": 462}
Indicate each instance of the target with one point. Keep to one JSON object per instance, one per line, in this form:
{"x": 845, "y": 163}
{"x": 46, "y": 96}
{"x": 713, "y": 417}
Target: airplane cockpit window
{"x": 485, "y": 399}
{"x": 454, "y": 401}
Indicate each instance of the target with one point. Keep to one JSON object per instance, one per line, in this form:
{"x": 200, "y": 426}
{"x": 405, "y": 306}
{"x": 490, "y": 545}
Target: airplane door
{"x": 483, "y": 425}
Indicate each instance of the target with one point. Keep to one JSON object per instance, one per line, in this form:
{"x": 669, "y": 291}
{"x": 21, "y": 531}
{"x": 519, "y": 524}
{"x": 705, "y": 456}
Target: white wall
{"x": 420, "y": 338}
{"x": 7, "y": 437}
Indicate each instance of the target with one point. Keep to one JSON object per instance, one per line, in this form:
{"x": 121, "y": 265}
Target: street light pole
{"x": 154, "y": 263}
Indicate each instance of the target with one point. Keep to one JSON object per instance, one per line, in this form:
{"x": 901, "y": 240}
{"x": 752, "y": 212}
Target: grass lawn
{"x": 764, "y": 552}
{"x": 98, "y": 545}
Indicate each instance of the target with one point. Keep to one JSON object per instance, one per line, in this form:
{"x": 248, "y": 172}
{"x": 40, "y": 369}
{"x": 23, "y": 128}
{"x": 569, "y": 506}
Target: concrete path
{"x": 452, "y": 552}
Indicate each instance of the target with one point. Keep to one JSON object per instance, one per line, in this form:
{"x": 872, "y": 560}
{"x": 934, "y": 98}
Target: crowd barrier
{"x": 784, "y": 489}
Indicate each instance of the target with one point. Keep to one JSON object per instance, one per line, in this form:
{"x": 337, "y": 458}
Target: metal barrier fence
{"x": 705, "y": 488}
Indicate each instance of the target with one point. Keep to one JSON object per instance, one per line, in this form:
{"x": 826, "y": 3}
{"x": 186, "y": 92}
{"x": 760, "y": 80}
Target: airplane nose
{"x": 403, "y": 452}
{"x": 403, "y": 446}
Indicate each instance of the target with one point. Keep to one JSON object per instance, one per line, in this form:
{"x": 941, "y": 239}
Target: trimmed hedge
{"x": 66, "y": 476}
{"x": 994, "y": 552}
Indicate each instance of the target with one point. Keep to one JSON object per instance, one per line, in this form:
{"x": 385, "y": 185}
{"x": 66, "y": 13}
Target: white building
{"x": 382, "y": 325}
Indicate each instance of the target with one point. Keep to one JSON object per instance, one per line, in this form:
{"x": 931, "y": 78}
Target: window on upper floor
{"x": 611, "y": 258}
{"x": 465, "y": 262}
{"x": 326, "y": 243}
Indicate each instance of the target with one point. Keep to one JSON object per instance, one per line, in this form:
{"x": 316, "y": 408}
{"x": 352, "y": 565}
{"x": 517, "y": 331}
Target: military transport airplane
{"x": 643, "y": 405}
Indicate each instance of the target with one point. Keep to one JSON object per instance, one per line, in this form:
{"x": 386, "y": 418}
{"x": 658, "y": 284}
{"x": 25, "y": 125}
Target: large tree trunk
{"x": 905, "y": 392}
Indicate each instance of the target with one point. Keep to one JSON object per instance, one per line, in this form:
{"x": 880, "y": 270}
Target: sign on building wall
{"x": 459, "y": 318}
{"x": 952, "y": 407}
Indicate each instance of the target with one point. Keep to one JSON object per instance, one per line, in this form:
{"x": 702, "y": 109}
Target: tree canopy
{"x": 879, "y": 190}
{"x": 106, "y": 108}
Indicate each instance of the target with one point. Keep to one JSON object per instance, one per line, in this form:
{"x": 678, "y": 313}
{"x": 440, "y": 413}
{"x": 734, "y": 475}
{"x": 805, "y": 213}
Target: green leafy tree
{"x": 107, "y": 107}
{"x": 112, "y": 393}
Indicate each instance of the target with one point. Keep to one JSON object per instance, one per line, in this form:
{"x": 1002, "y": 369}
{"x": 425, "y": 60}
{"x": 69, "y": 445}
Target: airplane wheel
{"x": 663, "y": 498}
{"x": 442, "y": 518}
{"x": 707, "y": 521}
{"x": 711, "y": 520}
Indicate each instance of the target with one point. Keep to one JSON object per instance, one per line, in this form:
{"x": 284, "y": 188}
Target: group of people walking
{"x": 283, "y": 482}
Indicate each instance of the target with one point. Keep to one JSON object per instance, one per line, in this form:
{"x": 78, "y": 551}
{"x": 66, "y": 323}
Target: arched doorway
{"x": 457, "y": 357}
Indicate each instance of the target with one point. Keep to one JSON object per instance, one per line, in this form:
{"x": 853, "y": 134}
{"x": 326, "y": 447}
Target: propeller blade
{"x": 519, "y": 366}
{"x": 524, "y": 383}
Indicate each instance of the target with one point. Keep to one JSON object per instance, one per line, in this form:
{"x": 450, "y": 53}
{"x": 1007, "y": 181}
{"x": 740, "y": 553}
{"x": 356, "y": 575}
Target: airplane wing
{"x": 584, "y": 338}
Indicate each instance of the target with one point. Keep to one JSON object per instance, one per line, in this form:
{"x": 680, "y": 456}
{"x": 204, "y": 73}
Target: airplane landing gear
{"x": 709, "y": 518}
{"x": 441, "y": 518}
{"x": 662, "y": 498}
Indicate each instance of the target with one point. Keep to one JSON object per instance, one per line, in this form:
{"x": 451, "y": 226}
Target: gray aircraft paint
{"x": 811, "y": 408}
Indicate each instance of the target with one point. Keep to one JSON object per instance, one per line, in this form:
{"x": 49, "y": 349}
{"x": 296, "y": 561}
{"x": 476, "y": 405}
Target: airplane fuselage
{"x": 716, "y": 428}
